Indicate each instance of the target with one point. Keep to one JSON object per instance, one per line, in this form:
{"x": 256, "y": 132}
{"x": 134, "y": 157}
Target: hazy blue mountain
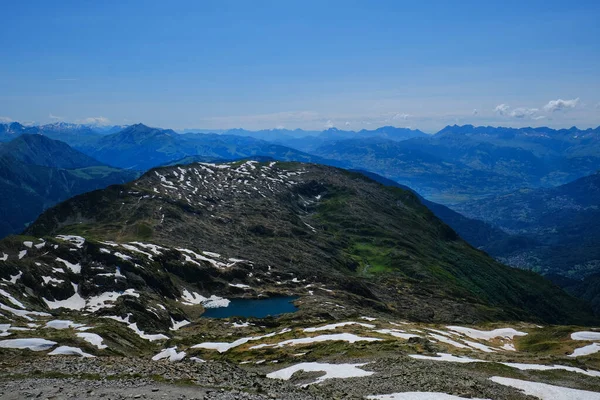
{"x": 36, "y": 149}
{"x": 37, "y": 172}
{"x": 141, "y": 147}
{"x": 72, "y": 134}
{"x": 107, "y": 130}
{"x": 10, "y": 131}
{"x": 436, "y": 178}
{"x": 463, "y": 163}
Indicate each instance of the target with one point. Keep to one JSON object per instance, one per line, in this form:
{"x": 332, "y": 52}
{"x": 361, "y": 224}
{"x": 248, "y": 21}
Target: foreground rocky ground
{"x": 121, "y": 378}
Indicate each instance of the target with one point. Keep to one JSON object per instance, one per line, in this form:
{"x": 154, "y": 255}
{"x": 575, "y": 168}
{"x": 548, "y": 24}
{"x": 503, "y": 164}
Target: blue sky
{"x": 301, "y": 64}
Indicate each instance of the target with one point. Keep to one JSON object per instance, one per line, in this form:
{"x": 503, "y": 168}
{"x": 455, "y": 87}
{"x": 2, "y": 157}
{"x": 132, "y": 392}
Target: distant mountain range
{"x": 37, "y": 172}
{"x": 457, "y": 164}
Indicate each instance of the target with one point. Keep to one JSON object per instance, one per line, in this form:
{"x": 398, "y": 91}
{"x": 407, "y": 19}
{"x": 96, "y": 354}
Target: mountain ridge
{"x": 302, "y": 224}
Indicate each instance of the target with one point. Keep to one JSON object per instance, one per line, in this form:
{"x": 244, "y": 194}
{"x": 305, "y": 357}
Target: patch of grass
{"x": 551, "y": 339}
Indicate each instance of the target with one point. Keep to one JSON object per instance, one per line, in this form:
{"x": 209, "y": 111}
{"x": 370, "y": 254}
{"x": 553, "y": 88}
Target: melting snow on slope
{"x": 5, "y": 329}
{"x": 418, "y": 396}
{"x": 586, "y": 350}
{"x": 23, "y": 313}
{"x": 445, "y": 357}
{"x": 51, "y": 280}
{"x": 146, "y": 336}
{"x": 505, "y": 333}
{"x": 178, "y": 324}
{"x": 78, "y": 241}
{"x": 585, "y": 335}
{"x": 346, "y": 337}
{"x": 331, "y": 327}
{"x": 449, "y": 341}
{"x": 222, "y": 347}
{"x": 69, "y": 351}
{"x": 62, "y": 324}
{"x": 544, "y": 391}
{"x": 34, "y": 344}
{"x": 93, "y": 339}
{"x": 92, "y": 304}
{"x": 331, "y": 371}
{"x": 540, "y": 367}
{"x": 170, "y": 353}
{"x": 11, "y": 299}
{"x": 194, "y": 298}
{"x": 76, "y": 268}
{"x": 396, "y": 333}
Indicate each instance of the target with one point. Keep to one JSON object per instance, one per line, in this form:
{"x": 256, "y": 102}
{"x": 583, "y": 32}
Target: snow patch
{"x": 505, "y": 333}
{"x": 69, "y": 351}
{"x": 445, "y": 357}
{"x": 544, "y": 391}
{"x": 171, "y": 354}
{"x": 345, "y": 337}
{"x": 92, "y": 338}
{"x": 332, "y": 371}
{"x": 586, "y": 350}
{"x": 331, "y": 327}
{"x": 418, "y": 396}
{"x": 34, "y": 344}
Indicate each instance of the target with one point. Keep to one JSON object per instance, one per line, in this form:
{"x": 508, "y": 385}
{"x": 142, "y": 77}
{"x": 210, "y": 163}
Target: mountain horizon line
{"x": 103, "y": 128}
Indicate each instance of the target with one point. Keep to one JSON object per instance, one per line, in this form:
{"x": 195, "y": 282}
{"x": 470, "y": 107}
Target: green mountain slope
{"x": 373, "y": 246}
{"x": 37, "y": 172}
{"x": 40, "y": 150}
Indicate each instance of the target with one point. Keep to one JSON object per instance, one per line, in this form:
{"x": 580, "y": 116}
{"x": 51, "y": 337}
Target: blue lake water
{"x": 257, "y": 308}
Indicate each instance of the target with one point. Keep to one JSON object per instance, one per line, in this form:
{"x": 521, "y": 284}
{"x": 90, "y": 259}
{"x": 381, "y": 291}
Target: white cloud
{"x": 475, "y": 111}
{"x": 280, "y": 127}
{"x": 560, "y": 105}
{"x": 5, "y": 120}
{"x": 328, "y": 124}
{"x": 401, "y": 116}
{"x": 501, "y": 109}
{"x": 598, "y": 106}
{"x": 523, "y": 112}
{"x": 539, "y": 117}
{"x": 94, "y": 121}
{"x": 348, "y": 122}
{"x": 54, "y": 117}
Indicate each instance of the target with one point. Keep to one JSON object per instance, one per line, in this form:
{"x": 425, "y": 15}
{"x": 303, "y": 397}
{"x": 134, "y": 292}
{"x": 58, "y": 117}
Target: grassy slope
{"x": 375, "y": 242}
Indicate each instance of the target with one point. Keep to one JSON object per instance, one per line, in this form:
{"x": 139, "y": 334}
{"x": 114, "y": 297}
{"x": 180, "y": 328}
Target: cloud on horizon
{"x": 6, "y": 119}
{"x": 523, "y": 112}
{"x": 561, "y": 105}
{"x": 402, "y": 116}
{"x": 100, "y": 121}
{"x": 501, "y": 109}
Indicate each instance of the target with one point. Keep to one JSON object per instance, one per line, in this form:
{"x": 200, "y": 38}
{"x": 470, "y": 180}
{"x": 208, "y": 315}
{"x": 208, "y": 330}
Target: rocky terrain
{"x": 104, "y": 296}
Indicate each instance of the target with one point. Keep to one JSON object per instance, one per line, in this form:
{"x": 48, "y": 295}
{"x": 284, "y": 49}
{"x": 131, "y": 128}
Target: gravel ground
{"x": 123, "y": 378}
